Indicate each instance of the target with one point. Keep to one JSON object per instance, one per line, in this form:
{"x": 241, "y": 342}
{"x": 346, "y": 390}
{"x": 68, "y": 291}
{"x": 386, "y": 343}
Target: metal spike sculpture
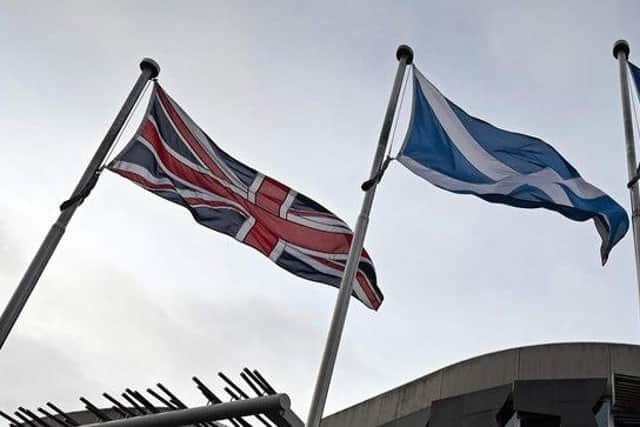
{"x": 136, "y": 407}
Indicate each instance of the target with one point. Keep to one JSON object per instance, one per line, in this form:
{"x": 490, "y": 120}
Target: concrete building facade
{"x": 568, "y": 385}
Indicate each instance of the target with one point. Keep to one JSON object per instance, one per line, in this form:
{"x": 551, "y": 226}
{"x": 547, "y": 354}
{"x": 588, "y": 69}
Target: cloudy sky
{"x": 138, "y": 293}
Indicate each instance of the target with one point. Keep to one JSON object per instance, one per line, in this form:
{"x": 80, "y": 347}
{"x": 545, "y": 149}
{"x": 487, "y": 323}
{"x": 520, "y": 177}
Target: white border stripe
{"x": 338, "y": 227}
{"x": 255, "y": 186}
{"x": 184, "y": 193}
{"x": 140, "y": 171}
{"x": 322, "y": 268}
{"x": 202, "y": 139}
{"x": 185, "y": 161}
{"x": 288, "y": 201}
{"x": 176, "y": 178}
{"x": 175, "y": 154}
{"x": 245, "y": 228}
{"x": 464, "y": 142}
{"x": 176, "y": 131}
{"x": 547, "y": 180}
{"x": 277, "y": 250}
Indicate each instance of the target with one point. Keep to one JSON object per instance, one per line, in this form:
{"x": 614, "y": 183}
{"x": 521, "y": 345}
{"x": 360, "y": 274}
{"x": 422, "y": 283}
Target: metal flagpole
{"x": 621, "y": 53}
{"x": 149, "y": 69}
{"x": 405, "y": 57}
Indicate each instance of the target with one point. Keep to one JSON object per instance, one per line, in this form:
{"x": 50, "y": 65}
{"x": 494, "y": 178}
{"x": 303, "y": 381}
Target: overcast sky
{"x": 138, "y": 292}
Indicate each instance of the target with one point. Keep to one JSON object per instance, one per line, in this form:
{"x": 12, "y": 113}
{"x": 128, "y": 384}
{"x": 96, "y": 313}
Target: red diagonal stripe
{"x": 269, "y": 226}
{"x": 361, "y": 278}
{"x": 138, "y": 179}
{"x": 262, "y": 238}
{"x": 187, "y": 136}
{"x": 297, "y": 234}
{"x": 182, "y": 170}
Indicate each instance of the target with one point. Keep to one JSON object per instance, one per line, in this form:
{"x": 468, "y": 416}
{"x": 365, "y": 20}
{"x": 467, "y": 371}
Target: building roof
{"x": 548, "y": 361}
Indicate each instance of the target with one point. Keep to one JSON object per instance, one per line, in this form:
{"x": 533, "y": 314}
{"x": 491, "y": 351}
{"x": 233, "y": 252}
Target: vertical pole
{"x": 621, "y": 53}
{"x": 405, "y": 57}
{"x": 149, "y": 69}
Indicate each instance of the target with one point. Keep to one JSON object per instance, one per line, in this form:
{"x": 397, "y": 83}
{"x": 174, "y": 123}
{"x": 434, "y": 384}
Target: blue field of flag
{"x": 463, "y": 154}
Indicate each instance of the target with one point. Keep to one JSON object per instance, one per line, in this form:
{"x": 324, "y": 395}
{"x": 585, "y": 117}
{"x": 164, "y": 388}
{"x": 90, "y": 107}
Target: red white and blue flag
{"x": 172, "y": 157}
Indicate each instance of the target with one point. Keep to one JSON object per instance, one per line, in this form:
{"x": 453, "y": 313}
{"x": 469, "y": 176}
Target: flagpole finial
{"x": 620, "y": 45}
{"x": 405, "y": 51}
{"x": 150, "y": 64}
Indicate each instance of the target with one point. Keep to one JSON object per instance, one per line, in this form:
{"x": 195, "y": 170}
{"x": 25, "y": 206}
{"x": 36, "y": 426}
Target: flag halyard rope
{"x": 126, "y": 123}
{"x": 388, "y": 159}
{"x": 634, "y": 97}
{"x": 397, "y": 118}
{"x": 79, "y": 197}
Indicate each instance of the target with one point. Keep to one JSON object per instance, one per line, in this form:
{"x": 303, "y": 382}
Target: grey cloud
{"x": 105, "y": 326}
{"x": 138, "y": 293}
{"x": 8, "y": 249}
{"x": 34, "y": 370}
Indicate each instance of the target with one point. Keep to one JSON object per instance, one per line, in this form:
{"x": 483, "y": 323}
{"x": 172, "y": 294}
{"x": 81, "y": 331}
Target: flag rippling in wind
{"x": 173, "y": 158}
{"x": 463, "y": 154}
{"x": 635, "y": 75}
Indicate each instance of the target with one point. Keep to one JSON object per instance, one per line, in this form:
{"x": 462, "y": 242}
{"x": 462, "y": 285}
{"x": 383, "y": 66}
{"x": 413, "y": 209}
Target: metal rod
{"x": 180, "y": 417}
{"x": 149, "y": 69}
{"x": 133, "y": 403}
{"x": 242, "y": 395}
{"x": 68, "y": 418}
{"x": 405, "y": 57}
{"x": 113, "y": 400}
{"x": 25, "y": 419}
{"x": 140, "y": 398}
{"x": 164, "y": 401}
{"x": 264, "y": 382}
{"x": 233, "y": 385}
{"x": 48, "y": 414}
{"x": 172, "y": 397}
{"x": 240, "y": 421}
{"x": 232, "y": 394}
{"x": 33, "y": 416}
{"x": 170, "y": 406}
{"x": 247, "y": 379}
{"x": 255, "y": 378}
{"x": 211, "y": 397}
{"x": 621, "y": 53}
{"x": 9, "y": 418}
{"x": 95, "y": 410}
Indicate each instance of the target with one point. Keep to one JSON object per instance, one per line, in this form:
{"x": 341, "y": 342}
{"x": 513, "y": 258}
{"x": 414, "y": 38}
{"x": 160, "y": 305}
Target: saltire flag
{"x": 173, "y": 158}
{"x": 635, "y": 75}
{"x": 463, "y": 154}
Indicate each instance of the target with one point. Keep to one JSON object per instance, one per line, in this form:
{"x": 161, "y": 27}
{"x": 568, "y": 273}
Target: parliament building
{"x": 552, "y": 385}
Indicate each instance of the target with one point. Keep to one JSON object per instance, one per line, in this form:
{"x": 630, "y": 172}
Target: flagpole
{"x": 621, "y": 53}
{"x": 404, "y": 55}
{"x": 148, "y": 70}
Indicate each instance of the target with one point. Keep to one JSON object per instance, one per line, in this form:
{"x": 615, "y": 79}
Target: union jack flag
{"x": 172, "y": 157}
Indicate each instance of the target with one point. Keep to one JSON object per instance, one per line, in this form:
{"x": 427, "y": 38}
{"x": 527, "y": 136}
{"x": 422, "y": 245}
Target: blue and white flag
{"x": 635, "y": 75}
{"x": 463, "y": 154}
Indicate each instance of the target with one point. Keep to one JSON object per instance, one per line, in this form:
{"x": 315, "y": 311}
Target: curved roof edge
{"x": 540, "y": 361}
{"x": 553, "y": 345}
